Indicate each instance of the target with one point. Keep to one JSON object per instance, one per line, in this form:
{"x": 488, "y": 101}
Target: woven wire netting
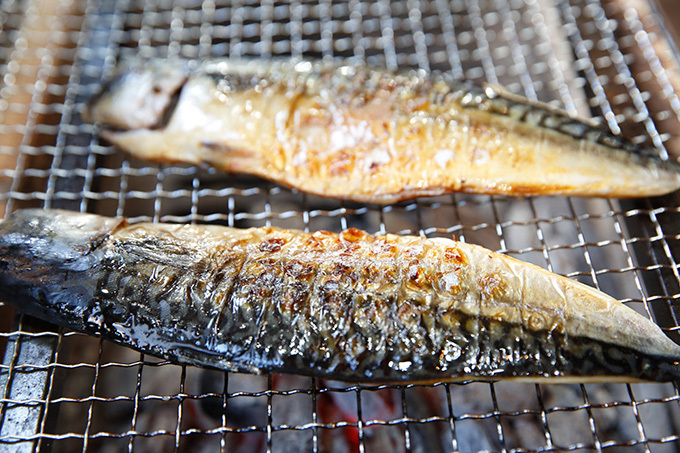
{"x": 68, "y": 392}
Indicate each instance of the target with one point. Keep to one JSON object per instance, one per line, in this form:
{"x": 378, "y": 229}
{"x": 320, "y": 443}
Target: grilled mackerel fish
{"x": 364, "y": 134}
{"x": 349, "y": 305}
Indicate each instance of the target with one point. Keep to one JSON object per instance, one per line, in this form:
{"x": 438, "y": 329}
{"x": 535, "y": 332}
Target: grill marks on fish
{"x": 349, "y": 306}
{"x": 371, "y": 135}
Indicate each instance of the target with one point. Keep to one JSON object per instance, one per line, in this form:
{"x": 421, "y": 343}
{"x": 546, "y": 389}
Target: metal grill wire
{"x": 71, "y": 392}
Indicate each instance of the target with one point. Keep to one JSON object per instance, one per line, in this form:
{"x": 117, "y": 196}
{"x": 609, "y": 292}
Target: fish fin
{"x": 493, "y": 91}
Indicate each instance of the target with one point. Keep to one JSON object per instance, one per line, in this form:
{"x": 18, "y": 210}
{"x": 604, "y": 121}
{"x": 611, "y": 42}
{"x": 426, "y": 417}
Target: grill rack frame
{"x": 90, "y": 35}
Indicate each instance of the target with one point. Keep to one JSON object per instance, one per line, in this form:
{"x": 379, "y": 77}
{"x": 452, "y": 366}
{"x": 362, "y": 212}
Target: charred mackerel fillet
{"x": 348, "y": 306}
{"x": 364, "y": 134}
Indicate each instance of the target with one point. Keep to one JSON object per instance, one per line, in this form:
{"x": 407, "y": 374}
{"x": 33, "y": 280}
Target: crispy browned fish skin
{"x": 348, "y": 306}
{"x": 365, "y": 134}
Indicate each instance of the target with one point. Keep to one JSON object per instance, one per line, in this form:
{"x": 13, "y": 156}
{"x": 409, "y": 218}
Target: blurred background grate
{"x": 611, "y": 59}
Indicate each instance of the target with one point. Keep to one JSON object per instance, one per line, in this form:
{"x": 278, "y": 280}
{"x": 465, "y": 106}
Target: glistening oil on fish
{"x": 348, "y": 306}
{"x": 365, "y": 134}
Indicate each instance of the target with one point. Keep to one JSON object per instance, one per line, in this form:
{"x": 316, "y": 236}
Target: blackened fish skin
{"x": 348, "y": 306}
{"x": 365, "y": 134}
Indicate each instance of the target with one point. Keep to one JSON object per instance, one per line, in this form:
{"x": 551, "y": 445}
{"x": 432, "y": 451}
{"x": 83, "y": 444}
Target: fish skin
{"x": 365, "y": 134}
{"x": 348, "y": 306}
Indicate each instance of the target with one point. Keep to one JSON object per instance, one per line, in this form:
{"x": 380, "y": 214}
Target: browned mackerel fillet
{"x": 348, "y": 306}
{"x": 365, "y": 134}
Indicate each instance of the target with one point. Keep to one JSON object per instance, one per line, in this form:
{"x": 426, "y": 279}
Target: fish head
{"x": 46, "y": 258}
{"x": 53, "y": 237}
{"x": 140, "y": 96}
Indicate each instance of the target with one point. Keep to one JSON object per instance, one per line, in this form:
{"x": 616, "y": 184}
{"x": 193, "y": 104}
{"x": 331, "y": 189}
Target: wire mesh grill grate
{"x": 69, "y": 392}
